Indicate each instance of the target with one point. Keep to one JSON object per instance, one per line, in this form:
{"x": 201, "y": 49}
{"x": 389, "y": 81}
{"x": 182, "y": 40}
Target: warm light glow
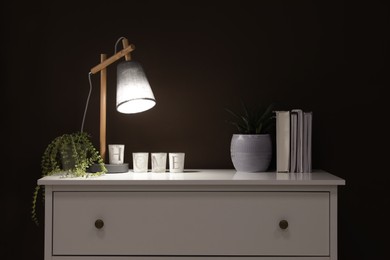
{"x": 133, "y": 94}
{"x": 136, "y": 106}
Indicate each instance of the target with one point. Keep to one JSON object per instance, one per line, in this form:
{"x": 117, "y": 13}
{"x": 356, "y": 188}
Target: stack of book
{"x": 294, "y": 141}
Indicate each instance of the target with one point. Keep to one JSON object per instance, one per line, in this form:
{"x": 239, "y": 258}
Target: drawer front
{"x": 191, "y": 223}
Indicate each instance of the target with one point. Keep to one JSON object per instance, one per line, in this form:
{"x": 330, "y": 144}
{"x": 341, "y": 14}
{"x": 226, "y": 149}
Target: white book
{"x": 307, "y": 143}
{"x": 293, "y": 141}
{"x": 282, "y": 141}
{"x": 299, "y": 139}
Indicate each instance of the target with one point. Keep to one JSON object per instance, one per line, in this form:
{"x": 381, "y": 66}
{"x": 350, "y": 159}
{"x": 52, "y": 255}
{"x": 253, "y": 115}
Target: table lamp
{"x": 133, "y": 93}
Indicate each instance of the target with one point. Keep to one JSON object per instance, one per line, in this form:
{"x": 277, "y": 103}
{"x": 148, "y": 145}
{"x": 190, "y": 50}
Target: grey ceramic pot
{"x": 251, "y": 153}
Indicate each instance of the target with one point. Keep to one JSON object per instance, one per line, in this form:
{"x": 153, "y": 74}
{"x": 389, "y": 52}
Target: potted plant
{"x": 69, "y": 155}
{"x": 251, "y": 147}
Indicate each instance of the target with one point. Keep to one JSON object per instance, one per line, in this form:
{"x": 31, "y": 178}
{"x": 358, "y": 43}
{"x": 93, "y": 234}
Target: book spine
{"x": 293, "y": 141}
{"x": 307, "y": 141}
{"x": 282, "y": 141}
{"x": 299, "y": 140}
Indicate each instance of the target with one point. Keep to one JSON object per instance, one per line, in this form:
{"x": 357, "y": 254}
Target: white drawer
{"x": 191, "y": 223}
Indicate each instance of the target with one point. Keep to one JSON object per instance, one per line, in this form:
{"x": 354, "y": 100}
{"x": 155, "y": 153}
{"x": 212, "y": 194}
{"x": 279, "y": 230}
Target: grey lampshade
{"x": 133, "y": 92}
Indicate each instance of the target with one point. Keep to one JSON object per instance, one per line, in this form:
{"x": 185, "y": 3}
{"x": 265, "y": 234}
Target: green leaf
{"x": 253, "y": 120}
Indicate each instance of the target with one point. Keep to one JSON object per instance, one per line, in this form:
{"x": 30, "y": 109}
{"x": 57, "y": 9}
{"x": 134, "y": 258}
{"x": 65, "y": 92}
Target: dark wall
{"x": 200, "y": 57}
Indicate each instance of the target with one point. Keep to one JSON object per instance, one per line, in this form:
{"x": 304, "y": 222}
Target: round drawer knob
{"x": 283, "y": 224}
{"x": 99, "y": 224}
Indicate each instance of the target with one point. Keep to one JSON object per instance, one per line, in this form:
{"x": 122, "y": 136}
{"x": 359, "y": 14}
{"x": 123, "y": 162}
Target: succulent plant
{"x": 256, "y": 120}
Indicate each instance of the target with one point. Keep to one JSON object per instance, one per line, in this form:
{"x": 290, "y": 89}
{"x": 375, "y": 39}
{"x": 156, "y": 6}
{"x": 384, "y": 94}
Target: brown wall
{"x": 200, "y": 57}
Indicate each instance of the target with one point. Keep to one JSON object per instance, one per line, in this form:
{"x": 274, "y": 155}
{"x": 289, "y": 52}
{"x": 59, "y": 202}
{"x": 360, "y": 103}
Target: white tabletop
{"x": 200, "y": 177}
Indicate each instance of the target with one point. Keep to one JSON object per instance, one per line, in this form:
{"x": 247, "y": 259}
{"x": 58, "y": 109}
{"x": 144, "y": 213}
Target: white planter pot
{"x": 251, "y": 153}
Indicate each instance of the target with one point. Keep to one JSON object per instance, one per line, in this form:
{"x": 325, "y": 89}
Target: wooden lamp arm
{"x": 113, "y": 58}
{"x": 125, "y": 44}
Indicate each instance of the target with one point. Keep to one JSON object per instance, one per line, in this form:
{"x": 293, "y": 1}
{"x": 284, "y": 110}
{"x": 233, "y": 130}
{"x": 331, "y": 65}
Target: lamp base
{"x": 111, "y": 168}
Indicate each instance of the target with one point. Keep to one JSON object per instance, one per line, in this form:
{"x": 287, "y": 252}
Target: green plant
{"x": 69, "y": 155}
{"x": 258, "y": 120}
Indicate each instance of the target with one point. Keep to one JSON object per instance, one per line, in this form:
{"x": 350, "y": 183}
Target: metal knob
{"x": 99, "y": 224}
{"x": 283, "y": 224}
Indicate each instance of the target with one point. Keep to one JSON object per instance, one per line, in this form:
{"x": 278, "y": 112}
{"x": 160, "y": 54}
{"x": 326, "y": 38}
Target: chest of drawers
{"x": 198, "y": 214}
